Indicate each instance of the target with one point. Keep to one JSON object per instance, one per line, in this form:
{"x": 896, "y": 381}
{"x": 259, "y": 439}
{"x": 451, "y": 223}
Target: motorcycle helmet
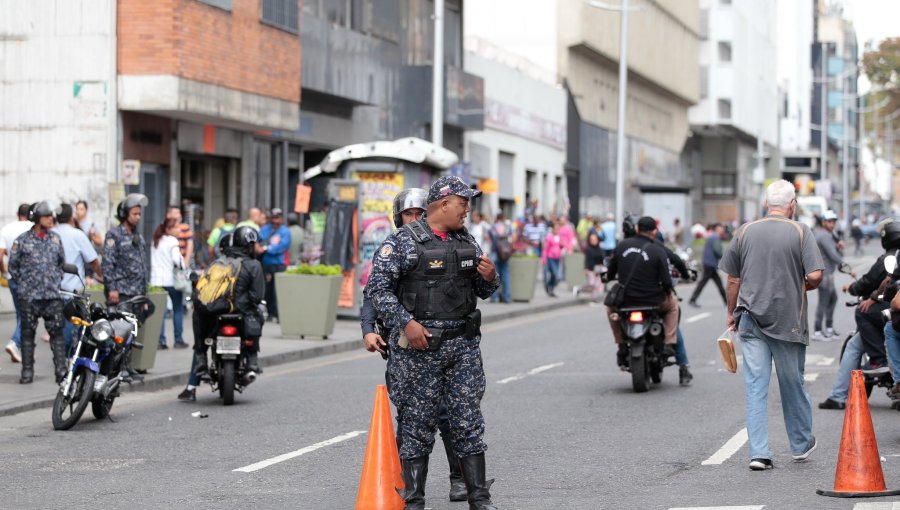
{"x": 242, "y": 237}
{"x": 131, "y": 201}
{"x": 225, "y": 241}
{"x": 890, "y": 235}
{"x": 629, "y": 225}
{"x": 40, "y": 209}
{"x": 411, "y": 198}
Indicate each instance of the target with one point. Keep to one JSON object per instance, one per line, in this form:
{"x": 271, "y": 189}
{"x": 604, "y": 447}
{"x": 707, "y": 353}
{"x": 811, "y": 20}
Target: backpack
{"x": 215, "y": 288}
{"x": 502, "y": 246}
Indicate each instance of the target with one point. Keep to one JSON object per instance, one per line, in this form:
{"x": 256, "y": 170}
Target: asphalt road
{"x": 564, "y": 430}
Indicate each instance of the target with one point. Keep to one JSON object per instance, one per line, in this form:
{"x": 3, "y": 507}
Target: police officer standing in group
{"x": 424, "y": 283}
{"x": 35, "y": 261}
{"x": 125, "y": 253}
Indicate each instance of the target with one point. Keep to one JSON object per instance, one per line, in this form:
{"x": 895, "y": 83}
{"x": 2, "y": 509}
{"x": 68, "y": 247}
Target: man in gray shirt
{"x": 827, "y": 294}
{"x": 771, "y": 264}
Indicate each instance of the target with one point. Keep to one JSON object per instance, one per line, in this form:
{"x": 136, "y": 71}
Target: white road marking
{"x": 824, "y": 362}
{"x": 730, "y": 448}
{"x": 887, "y": 505}
{"x": 302, "y": 451}
{"x": 698, "y": 317}
{"x": 746, "y": 507}
{"x": 811, "y": 377}
{"x": 533, "y": 371}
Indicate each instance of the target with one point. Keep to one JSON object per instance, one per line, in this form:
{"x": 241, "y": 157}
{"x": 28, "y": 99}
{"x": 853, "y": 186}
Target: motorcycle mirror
{"x": 845, "y": 268}
{"x": 890, "y": 263}
{"x": 72, "y": 269}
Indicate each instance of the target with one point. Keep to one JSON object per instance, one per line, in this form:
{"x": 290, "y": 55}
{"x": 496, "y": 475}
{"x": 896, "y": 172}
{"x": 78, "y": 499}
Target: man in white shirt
{"x": 80, "y": 252}
{"x": 8, "y": 234}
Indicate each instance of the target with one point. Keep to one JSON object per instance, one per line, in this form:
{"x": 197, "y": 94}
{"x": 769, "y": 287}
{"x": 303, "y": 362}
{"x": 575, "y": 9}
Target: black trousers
{"x": 709, "y": 273}
{"x": 271, "y": 297}
{"x": 871, "y": 329}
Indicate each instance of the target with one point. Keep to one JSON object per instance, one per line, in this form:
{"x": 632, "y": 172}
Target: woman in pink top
{"x": 550, "y": 256}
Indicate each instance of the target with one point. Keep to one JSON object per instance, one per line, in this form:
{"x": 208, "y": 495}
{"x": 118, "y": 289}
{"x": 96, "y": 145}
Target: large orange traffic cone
{"x": 858, "y": 472}
{"x": 381, "y": 468}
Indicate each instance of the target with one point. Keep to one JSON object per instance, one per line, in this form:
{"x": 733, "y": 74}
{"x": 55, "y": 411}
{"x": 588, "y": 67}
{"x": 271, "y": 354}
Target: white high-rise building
{"x": 794, "y": 65}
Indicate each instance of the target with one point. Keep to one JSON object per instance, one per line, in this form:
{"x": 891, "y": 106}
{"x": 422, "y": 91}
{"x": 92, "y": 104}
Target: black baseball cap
{"x": 646, "y": 224}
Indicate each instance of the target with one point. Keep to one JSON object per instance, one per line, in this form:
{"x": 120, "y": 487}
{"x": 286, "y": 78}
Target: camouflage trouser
{"x": 51, "y": 310}
{"x": 420, "y": 380}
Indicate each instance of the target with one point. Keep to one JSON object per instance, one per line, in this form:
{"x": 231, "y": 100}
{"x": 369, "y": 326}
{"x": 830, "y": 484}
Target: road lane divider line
{"x": 296, "y": 453}
{"x": 730, "y": 448}
{"x": 824, "y": 362}
{"x": 698, "y": 317}
{"x": 533, "y": 371}
{"x": 887, "y": 505}
{"x": 811, "y": 377}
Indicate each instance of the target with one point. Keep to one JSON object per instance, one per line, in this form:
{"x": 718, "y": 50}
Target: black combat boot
{"x": 479, "y": 488}
{"x": 253, "y": 363}
{"x": 201, "y": 364}
{"x": 27, "y": 363}
{"x": 58, "y": 348}
{"x": 458, "y": 490}
{"x": 415, "y": 471}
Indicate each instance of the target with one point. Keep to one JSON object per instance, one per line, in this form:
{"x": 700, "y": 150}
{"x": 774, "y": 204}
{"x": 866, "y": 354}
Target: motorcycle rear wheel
{"x": 226, "y": 388}
{"x": 640, "y": 376}
{"x": 75, "y": 402}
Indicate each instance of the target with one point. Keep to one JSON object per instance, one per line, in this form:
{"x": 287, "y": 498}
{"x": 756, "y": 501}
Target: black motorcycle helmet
{"x": 412, "y": 198}
{"x": 243, "y": 239}
{"x": 131, "y": 201}
{"x": 890, "y": 235}
{"x": 40, "y": 209}
{"x": 629, "y": 225}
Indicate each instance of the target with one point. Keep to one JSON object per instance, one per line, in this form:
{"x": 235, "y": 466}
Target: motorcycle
{"x": 643, "y": 334}
{"x": 99, "y": 362}
{"x": 228, "y": 367}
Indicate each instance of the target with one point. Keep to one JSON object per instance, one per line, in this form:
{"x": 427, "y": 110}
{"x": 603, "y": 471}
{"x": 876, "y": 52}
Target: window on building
{"x": 719, "y": 184}
{"x": 339, "y": 12}
{"x": 724, "y": 51}
{"x": 725, "y": 109}
{"x": 704, "y": 82}
{"x": 221, "y": 4}
{"x": 282, "y": 14}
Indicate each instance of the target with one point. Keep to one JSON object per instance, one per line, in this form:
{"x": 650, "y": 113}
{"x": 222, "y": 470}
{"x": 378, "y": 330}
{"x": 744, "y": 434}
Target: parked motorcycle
{"x": 99, "y": 362}
{"x": 228, "y": 367}
{"x": 643, "y": 333}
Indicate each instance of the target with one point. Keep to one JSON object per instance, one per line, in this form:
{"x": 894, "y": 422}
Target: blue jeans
{"x": 177, "y": 315}
{"x": 503, "y": 271}
{"x": 552, "y": 273}
{"x": 892, "y": 343}
{"x": 681, "y": 358}
{"x": 852, "y": 354}
{"x": 759, "y": 352}
{"x": 17, "y": 334}
{"x": 194, "y": 379}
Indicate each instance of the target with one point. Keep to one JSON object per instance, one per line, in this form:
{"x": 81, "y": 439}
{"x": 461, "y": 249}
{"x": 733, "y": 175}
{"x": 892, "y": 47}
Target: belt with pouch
{"x": 438, "y": 336}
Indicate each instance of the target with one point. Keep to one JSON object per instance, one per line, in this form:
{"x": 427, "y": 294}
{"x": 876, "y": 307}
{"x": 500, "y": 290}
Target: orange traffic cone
{"x": 858, "y": 472}
{"x": 381, "y": 468}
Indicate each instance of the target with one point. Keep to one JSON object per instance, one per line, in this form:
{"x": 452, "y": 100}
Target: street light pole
{"x": 437, "y": 83}
{"x": 623, "y": 97}
{"x": 823, "y": 125}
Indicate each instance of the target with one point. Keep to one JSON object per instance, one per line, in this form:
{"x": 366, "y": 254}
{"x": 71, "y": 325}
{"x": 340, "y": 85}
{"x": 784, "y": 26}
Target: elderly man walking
{"x": 771, "y": 264}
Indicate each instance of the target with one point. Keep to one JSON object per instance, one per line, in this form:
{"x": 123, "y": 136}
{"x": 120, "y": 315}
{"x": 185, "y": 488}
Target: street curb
{"x": 163, "y": 381}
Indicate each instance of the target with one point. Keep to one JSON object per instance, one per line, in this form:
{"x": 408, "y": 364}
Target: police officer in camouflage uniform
{"x": 424, "y": 283}
{"x": 36, "y": 261}
{"x": 124, "y": 266}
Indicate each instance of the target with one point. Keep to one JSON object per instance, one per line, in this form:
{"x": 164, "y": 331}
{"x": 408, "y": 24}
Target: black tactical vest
{"x": 441, "y": 287}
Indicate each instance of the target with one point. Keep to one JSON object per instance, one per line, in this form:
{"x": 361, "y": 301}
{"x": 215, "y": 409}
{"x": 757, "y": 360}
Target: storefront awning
{"x": 414, "y": 150}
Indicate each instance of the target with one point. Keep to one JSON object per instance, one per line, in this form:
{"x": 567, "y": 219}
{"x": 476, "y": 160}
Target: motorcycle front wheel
{"x": 226, "y": 388}
{"x": 68, "y": 408}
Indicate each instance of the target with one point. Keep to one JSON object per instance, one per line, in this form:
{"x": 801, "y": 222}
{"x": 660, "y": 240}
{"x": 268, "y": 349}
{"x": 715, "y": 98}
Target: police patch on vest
{"x": 386, "y": 251}
{"x": 435, "y": 264}
{"x": 110, "y": 242}
{"x": 465, "y": 264}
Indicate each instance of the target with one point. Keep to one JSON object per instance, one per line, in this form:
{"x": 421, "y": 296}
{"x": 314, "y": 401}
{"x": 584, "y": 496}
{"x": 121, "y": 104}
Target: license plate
{"x": 228, "y": 345}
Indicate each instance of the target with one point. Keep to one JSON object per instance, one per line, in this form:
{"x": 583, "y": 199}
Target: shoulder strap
{"x": 418, "y": 231}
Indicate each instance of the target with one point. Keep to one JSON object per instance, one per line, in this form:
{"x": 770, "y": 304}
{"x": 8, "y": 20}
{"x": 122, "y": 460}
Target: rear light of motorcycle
{"x": 635, "y": 317}
{"x": 248, "y": 343}
{"x": 228, "y": 330}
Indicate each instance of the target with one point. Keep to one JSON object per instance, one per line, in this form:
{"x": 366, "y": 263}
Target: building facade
{"x": 663, "y": 82}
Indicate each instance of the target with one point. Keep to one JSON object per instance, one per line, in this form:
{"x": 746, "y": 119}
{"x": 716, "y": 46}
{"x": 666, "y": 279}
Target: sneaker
{"x": 761, "y": 464}
{"x": 805, "y": 455}
{"x": 694, "y": 304}
{"x": 188, "y": 395}
{"x": 684, "y": 375}
{"x": 818, "y": 336}
{"x": 830, "y": 332}
{"x": 894, "y": 392}
{"x": 831, "y": 404}
{"x": 13, "y": 350}
{"x": 162, "y": 347}
{"x": 181, "y": 345}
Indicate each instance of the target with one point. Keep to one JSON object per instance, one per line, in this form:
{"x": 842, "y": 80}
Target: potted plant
{"x": 523, "y": 272}
{"x": 307, "y": 299}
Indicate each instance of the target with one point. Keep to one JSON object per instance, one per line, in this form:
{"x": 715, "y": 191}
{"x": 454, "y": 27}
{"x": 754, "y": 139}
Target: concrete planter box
{"x": 148, "y": 334}
{"x": 523, "y": 272}
{"x": 575, "y": 270}
{"x": 307, "y": 304}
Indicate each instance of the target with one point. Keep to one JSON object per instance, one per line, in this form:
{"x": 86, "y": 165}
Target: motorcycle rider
{"x": 249, "y": 293}
{"x": 35, "y": 261}
{"x": 647, "y": 281}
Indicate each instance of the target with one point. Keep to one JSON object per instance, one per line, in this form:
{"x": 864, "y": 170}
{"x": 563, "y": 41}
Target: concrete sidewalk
{"x": 172, "y": 365}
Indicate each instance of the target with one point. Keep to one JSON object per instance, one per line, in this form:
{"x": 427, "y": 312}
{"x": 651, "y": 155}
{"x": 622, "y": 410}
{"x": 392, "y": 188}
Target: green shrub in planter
{"x": 307, "y": 299}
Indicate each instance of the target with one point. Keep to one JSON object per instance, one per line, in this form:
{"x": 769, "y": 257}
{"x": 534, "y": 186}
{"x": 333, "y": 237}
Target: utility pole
{"x": 823, "y": 124}
{"x": 437, "y": 84}
{"x": 845, "y": 180}
{"x": 623, "y": 98}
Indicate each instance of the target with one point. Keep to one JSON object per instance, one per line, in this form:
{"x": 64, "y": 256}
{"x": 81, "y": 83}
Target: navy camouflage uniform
{"x": 421, "y": 378}
{"x": 36, "y": 265}
{"x": 125, "y": 263}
